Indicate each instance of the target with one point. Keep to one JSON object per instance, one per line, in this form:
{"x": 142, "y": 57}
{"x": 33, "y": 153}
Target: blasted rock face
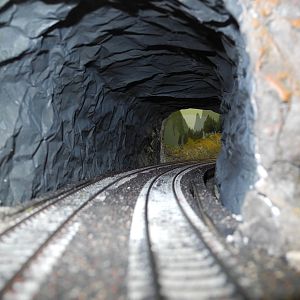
{"x": 85, "y": 86}
{"x": 272, "y": 210}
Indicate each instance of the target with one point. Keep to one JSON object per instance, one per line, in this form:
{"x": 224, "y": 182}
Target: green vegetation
{"x": 175, "y": 130}
{"x": 192, "y": 135}
{"x": 199, "y": 149}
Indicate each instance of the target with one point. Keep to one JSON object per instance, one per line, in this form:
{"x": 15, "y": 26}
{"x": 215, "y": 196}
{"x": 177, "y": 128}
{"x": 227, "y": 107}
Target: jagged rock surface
{"x": 85, "y": 87}
{"x": 272, "y": 209}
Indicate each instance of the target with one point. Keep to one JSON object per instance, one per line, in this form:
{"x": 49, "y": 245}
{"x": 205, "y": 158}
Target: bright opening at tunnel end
{"x": 191, "y": 135}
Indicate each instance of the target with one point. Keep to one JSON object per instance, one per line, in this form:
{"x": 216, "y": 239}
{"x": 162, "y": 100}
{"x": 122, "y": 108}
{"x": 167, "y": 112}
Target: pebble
{"x": 293, "y": 258}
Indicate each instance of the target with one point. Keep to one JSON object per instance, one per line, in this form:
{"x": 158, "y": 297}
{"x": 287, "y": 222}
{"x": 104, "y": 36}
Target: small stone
{"x": 293, "y": 258}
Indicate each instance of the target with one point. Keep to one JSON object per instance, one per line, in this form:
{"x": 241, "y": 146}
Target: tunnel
{"x": 86, "y": 85}
{"x": 92, "y": 83}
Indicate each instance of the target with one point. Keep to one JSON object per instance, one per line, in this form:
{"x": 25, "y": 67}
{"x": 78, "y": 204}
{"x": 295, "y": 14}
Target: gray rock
{"x": 13, "y": 44}
{"x": 272, "y": 34}
{"x": 87, "y": 87}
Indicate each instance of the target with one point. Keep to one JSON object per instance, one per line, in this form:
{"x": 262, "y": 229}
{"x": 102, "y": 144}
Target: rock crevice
{"x": 85, "y": 86}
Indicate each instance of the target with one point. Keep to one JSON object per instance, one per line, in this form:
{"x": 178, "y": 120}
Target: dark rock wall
{"x": 236, "y": 165}
{"x": 86, "y": 85}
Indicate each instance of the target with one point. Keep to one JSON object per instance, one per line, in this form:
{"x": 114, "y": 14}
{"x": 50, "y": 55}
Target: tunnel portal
{"x": 85, "y": 87}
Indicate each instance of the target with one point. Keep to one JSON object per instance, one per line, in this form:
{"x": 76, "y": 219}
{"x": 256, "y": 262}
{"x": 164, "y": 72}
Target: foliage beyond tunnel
{"x": 191, "y": 134}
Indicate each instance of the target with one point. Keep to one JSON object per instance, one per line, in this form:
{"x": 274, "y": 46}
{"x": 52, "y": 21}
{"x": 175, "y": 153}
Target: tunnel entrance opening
{"x": 85, "y": 91}
{"x": 85, "y": 86}
{"x": 191, "y": 135}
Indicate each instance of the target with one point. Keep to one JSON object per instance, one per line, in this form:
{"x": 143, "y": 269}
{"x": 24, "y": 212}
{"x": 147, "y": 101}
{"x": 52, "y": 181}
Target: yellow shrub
{"x": 200, "y": 149}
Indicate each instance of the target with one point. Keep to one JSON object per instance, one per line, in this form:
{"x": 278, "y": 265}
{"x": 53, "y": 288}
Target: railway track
{"x": 173, "y": 254}
{"x": 27, "y": 211}
{"x": 31, "y": 245}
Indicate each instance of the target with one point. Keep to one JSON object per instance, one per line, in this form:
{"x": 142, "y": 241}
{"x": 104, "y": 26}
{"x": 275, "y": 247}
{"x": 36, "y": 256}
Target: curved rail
{"x": 179, "y": 253}
{"x": 47, "y": 203}
{"x": 44, "y": 204}
{"x": 202, "y": 231}
{"x": 146, "y": 285}
{"x": 55, "y": 226}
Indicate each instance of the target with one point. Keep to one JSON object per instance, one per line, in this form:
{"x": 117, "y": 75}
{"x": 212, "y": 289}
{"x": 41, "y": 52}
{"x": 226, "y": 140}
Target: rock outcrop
{"x": 85, "y": 85}
{"x": 272, "y": 209}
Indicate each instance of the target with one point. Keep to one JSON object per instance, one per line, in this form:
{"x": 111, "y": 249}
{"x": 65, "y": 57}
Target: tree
{"x": 211, "y": 125}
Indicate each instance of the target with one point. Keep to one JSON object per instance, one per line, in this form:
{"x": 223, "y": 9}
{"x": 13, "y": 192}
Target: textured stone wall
{"x": 236, "y": 165}
{"x": 272, "y": 210}
{"x": 86, "y": 85}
